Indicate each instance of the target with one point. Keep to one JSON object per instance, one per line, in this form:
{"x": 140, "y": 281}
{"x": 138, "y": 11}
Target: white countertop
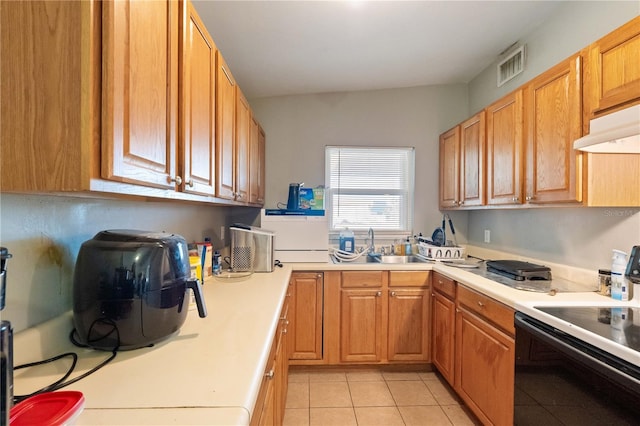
{"x": 210, "y": 372}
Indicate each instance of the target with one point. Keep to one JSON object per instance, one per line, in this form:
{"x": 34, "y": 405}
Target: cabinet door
{"x": 485, "y": 365}
{"x": 450, "y": 168}
{"x": 361, "y": 326}
{"x": 472, "y": 161}
{"x": 256, "y": 163}
{"x": 614, "y": 69}
{"x": 198, "y": 102}
{"x": 306, "y": 321}
{"x": 243, "y": 130}
{"x": 442, "y": 336}
{"x": 554, "y": 117}
{"x": 408, "y": 336}
{"x": 505, "y": 150}
{"x": 140, "y": 92}
{"x": 225, "y": 131}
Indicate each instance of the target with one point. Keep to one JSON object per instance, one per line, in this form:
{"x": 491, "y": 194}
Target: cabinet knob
{"x": 177, "y": 180}
{"x": 480, "y": 304}
{"x": 378, "y": 294}
{"x": 516, "y": 199}
{"x": 189, "y": 183}
{"x": 530, "y": 198}
{"x": 393, "y": 294}
{"x": 319, "y": 276}
{"x": 461, "y": 203}
{"x": 269, "y": 375}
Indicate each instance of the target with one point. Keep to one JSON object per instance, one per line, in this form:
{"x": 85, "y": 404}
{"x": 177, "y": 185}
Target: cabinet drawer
{"x": 363, "y": 278}
{"x": 409, "y": 278}
{"x": 444, "y": 285}
{"x": 494, "y": 311}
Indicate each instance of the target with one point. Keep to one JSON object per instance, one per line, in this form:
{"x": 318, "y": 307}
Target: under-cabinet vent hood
{"x": 615, "y": 133}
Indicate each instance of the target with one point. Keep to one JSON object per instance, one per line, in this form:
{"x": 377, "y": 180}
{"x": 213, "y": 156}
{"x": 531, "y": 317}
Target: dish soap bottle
{"x": 619, "y": 285}
{"x": 347, "y": 240}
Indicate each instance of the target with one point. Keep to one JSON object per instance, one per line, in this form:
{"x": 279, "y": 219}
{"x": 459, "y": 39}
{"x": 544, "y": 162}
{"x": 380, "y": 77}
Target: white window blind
{"x": 369, "y": 187}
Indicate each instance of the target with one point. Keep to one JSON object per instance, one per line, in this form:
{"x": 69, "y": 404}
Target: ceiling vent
{"x": 511, "y": 66}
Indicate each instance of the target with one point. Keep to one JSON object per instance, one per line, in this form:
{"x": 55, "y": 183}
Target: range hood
{"x": 616, "y": 133}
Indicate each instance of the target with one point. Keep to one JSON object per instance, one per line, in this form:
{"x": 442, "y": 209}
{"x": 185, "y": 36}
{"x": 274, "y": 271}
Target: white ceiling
{"x": 295, "y": 47}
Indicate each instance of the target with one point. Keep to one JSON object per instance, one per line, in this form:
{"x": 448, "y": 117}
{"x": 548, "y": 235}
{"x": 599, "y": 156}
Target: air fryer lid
{"x": 130, "y": 288}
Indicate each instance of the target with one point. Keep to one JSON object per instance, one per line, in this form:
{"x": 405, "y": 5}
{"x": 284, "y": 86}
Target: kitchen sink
{"x": 381, "y": 259}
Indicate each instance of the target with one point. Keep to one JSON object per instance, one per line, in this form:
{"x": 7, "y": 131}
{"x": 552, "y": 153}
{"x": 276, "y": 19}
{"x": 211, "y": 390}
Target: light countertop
{"x": 210, "y": 372}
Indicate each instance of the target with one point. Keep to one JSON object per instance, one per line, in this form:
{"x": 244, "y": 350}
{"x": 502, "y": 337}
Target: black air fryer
{"x": 130, "y": 289}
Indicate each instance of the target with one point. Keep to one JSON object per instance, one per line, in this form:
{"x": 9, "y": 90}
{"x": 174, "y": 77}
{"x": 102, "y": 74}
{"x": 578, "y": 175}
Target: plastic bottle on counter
{"x": 217, "y": 263}
{"x": 407, "y": 247}
{"x": 619, "y": 285}
{"x": 347, "y": 240}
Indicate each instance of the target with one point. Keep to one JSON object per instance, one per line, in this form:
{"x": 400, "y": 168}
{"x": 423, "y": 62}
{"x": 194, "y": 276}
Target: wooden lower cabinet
{"x": 408, "y": 332}
{"x": 442, "y": 335}
{"x": 485, "y": 357}
{"x": 306, "y": 329}
{"x": 361, "y": 325}
{"x": 270, "y": 404}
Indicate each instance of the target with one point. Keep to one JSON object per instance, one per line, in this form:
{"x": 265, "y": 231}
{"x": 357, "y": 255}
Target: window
{"x": 369, "y": 188}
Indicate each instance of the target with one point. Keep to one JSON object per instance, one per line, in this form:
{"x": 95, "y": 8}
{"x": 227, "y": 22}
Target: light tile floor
{"x": 369, "y": 397}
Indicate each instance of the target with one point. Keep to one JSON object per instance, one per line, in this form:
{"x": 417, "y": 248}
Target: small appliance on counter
{"x": 293, "y": 202}
{"x": 299, "y": 237}
{"x": 6, "y": 346}
{"x": 130, "y": 289}
{"x": 251, "y": 249}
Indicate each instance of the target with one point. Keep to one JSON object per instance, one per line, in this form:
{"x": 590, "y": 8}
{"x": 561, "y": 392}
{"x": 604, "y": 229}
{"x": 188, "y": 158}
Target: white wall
{"x": 44, "y": 234}
{"x": 574, "y": 26}
{"x": 299, "y": 127}
{"x": 582, "y": 237}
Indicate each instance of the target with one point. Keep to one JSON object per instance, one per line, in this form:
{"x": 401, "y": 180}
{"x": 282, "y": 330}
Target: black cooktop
{"x": 621, "y": 325}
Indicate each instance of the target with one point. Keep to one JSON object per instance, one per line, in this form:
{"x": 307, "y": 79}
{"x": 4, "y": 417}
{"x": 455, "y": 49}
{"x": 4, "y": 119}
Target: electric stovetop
{"x": 620, "y": 325}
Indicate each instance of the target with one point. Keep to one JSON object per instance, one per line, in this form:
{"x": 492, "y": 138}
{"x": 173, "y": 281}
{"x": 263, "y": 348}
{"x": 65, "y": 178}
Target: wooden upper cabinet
{"x": 613, "y": 70}
{"x": 554, "y": 120}
{"x": 450, "y": 168}
{"x": 256, "y": 163}
{"x": 243, "y": 136}
{"x": 198, "y": 104}
{"x": 505, "y": 150}
{"x": 472, "y": 161}
{"x": 50, "y": 122}
{"x": 140, "y": 92}
{"x": 225, "y": 130}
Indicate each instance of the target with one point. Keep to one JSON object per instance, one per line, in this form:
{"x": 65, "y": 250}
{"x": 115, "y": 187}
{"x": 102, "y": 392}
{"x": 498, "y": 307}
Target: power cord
{"x": 63, "y": 382}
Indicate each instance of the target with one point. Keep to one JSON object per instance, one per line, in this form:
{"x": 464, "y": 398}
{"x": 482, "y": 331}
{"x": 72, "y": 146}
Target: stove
{"x": 618, "y": 324}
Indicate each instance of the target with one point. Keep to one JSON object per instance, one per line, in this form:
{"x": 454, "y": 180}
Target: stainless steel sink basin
{"x": 381, "y": 259}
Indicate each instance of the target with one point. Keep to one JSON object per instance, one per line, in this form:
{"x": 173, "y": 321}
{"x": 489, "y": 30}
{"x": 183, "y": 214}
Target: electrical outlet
{"x": 487, "y": 236}
{"x": 222, "y": 233}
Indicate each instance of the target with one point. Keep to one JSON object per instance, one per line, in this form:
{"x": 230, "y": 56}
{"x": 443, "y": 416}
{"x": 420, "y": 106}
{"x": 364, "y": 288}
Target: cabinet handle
{"x": 269, "y": 375}
{"x": 457, "y": 310}
{"x": 177, "y": 180}
{"x": 393, "y": 294}
{"x": 190, "y": 183}
{"x": 378, "y": 294}
{"x": 480, "y": 304}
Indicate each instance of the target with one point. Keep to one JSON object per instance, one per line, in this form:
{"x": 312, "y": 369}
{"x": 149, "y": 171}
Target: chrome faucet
{"x": 372, "y": 246}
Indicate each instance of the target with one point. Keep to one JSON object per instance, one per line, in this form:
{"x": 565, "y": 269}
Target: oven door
{"x": 584, "y": 385}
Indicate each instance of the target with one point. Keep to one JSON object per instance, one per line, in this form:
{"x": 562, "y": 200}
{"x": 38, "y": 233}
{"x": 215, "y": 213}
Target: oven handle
{"x": 622, "y": 372}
